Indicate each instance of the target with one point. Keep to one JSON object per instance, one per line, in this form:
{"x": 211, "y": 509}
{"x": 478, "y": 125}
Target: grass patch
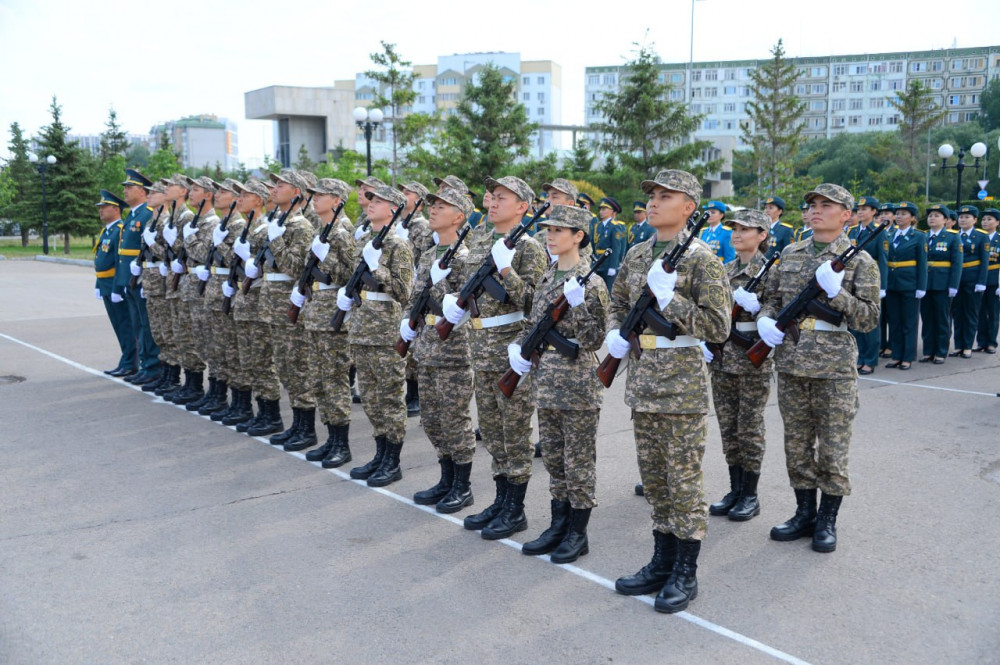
{"x": 79, "y": 248}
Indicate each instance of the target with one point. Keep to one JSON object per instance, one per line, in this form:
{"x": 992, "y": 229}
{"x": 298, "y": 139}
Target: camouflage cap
{"x": 452, "y": 181}
{"x": 835, "y": 193}
{"x": 330, "y": 186}
{"x": 255, "y": 187}
{"x": 204, "y": 182}
{"x": 414, "y": 187}
{"x": 291, "y": 176}
{"x": 229, "y": 185}
{"x": 514, "y": 184}
{"x": 387, "y": 193}
{"x": 676, "y": 181}
{"x": 308, "y": 177}
{"x": 568, "y": 217}
{"x": 563, "y": 185}
{"x": 371, "y": 181}
{"x": 753, "y": 218}
{"x": 177, "y": 179}
{"x": 452, "y": 197}
{"x": 157, "y": 187}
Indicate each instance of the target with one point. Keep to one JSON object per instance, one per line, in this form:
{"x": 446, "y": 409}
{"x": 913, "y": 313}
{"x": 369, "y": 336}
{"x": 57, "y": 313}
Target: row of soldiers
{"x": 260, "y": 300}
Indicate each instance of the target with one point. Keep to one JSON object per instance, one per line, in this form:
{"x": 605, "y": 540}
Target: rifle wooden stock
{"x": 258, "y": 260}
{"x": 214, "y": 251}
{"x": 182, "y": 252}
{"x": 305, "y": 279}
{"x": 227, "y": 301}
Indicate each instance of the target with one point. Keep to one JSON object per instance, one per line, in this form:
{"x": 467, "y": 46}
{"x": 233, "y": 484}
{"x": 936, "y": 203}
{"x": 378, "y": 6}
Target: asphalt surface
{"x": 132, "y": 531}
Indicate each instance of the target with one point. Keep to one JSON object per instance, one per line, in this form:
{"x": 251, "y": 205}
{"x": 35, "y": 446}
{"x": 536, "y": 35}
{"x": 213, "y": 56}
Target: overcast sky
{"x": 155, "y": 62}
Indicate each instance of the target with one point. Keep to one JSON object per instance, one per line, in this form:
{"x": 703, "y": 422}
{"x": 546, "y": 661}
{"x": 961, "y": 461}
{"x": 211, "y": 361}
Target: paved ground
{"x": 132, "y": 531}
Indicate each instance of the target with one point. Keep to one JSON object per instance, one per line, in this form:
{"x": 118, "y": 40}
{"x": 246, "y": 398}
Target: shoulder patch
{"x": 715, "y": 270}
{"x": 726, "y": 227}
{"x": 787, "y": 225}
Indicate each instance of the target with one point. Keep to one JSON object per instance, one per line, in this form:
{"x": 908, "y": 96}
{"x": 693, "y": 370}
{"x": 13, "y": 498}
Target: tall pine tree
{"x": 23, "y": 195}
{"x": 395, "y": 92}
{"x": 918, "y": 114}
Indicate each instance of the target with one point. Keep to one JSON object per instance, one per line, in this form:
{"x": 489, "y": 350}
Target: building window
{"x": 729, "y": 124}
{"x": 676, "y": 94}
{"x": 711, "y": 92}
{"x": 817, "y": 105}
{"x": 526, "y": 96}
{"x": 917, "y": 67}
{"x": 696, "y": 108}
{"x": 729, "y": 90}
{"x": 729, "y": 108}
{"x": 730, "y": 75}
{"x": 695, "y": 93}
{"x": 540, "y": 80}
{"x": 420, "y": 84}
{"x": 817, "y": 71}
{"x": 857, "y": 104}
{"x": 744, "y": 91}
{"x": 875, "y": 86}
{"x": 609, "y": 79}
{"x": 800, "y": 89}
{"x": 593, "y": 79}
{"x": 837, "y": 105}
{"x": 817, "y": 123}
{"x": 896, "y": 67}
{"x": 837, "y": 122}
{"x": 936, "y": 84}
{"x": 422, "y": 99}
{"x": 875, "y": 121}
{"x": 282, "y": 149}
{"x": 712, "y": 75}
{"x": 859, "y": 69}
{"x": 696, "y": 76}
{"x": 526, "y": 80}
{"x": 876, "y": 103}
{"x": 710, "y": 108}
{"x": 839, "y": 70}
{"x": 954, "y": 100}
{"x": 937, "y": 66}
{"x": 854, "y": 121}
{"x": 449, "y": 81}
{"x": 878, "y": 68}
{"x": 840, "y": 86}
{"x": 541, "y": 97}
{"x": 892, "y": 120}
{"x": 710, "y": 125}
{"x": 896, "y": 85}
{"x": 541, "y": 111}
{"x": 676, "y": 78}
{"x": 819, "y": 88}
{"x": 857, "y": 86}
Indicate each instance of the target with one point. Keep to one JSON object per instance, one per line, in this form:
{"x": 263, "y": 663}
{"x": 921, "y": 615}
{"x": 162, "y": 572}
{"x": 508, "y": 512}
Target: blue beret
{"x": 969, "y": 210}
{"x": 109, "y": 199}
{"x": 776, "y": 200}
{"x": 611, "y": 203}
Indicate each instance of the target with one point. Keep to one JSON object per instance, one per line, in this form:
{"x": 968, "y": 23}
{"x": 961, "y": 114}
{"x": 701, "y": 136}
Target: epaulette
{"x": 728, "y": 228}
{"x": 980, "y": 231}
{"x": 786, "y": 225}
{"x": 618, "y": 222}
{"x": 952, "y": 230}
{"x": 851, "y": 228}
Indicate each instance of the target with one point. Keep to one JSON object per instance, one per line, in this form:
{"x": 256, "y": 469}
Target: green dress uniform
{"x": 780, "y": 236}
{"x": 131, "y": 243}
{"x": 907, "y": 260}
{"x": 944, "y": 270}
{"x": 640, "y": 232}
{"x": 868, "y": 343}
{"x": 609, "y": 234}
{"x": 965, "y": 306}
{"x": 989, "y": 313}
{"x": 106, "y": 269}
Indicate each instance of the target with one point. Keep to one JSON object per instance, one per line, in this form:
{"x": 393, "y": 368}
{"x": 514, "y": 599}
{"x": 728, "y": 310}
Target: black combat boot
{"x": 270, "y": 422}
{"x": 412, "y": 398}
{"x": 178, "y": 386}
{"x": 318, "y": 454}
{"x": 803, "y": 523}
{"x": 511, "y": 518}
{"x": 160, "y": 378}
{"x": 551, "y": 537}
{"x": 193, "y": 390}
{"x": 735, "y": 490}
{"x": 825, "y": 535}
{"x": 241, "y": 409}
{"x": 216, "y": 401}
{"x": 253, "y": 420}
{"x": 305, "y": 436}
{"x": 682, "y": 587}
{"x": 747, "y": 507}
{"x": 219, "y": 413}
{"x": 280, "y": 438}
{"x": 365, "y": 471}
{"x": 654, "y": 574}
{"x": 437, "y": 492}
{"x": 480, "y": 520}
{"x": 460, "y": 494}
{"x": 388, "y": 471}
{"x": 340, "y": 454}
{"x": 170, "y": 382}
{"x": 575, "y": 544}
{"x": 208, "y": 395}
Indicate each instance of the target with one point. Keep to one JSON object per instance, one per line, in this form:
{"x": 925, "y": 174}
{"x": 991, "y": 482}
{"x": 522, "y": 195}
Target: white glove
{"x": 661, "y": 283}
{"x": 320, "y": 249}
{"x": 371, "y": 255}
{"x": 297, "y": 298}
{"x": 358, "y": 232}
{"x": 97, "y": 293}
{"x": 115, "y": 298}
{"x": 618, "y": 346}
{"x": 344, "y": 303}
{"x": 438, "y": 273}
{"x": 227, "y": 290}
{"x": 218, "y": 235}
{"x": 952, "y": 292}
{"x": 275, "y": 231}
{"x": 251, "y": 269}
{"x": 769, "y": 332}
{"x": 189, "y": 231}
{"x": 920, "y": 294}
{"x": 980, "y": 288}
{"x": 708, "y": 355}
{"x": 452, "y": 312}
{"x": 170, "y": 234}
{"x": 242, "y": 249}
{"x": 162, "y": 268}
{"x": 402, "y": 233}
{"x": 881, "y": 294}
{"x": 828, "y": 279}
{"x": 134, "y": 268}
{"x": 612, "y": 272}
{"x": 176, "y": 266}
{"x": 149, "y": 235}
{"x": 142, "y": 293}
{"x": 406, "y": 332}
{"x": 203, "y": 273}
{"x": 502, "y": 256}
{"x": 573, "y": 290}
{"x": 746, "y": 300}
{"x": 517, "y": 363}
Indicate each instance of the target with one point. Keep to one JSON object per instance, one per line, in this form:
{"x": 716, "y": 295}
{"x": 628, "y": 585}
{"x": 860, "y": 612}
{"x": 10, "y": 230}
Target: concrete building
{"x": 202, "y": 141}
{"x": 92, "y": 142}
{"x": 842, "y": 93}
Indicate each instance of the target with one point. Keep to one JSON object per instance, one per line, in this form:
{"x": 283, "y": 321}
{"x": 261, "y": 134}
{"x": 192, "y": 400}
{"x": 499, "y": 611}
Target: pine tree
{"x": 23, "y": 197}
{"x": 395, "y": 92}
{"x": 918, "y": 114}
{"x": 303, "y": 163}
{"x": 114, "y": 140}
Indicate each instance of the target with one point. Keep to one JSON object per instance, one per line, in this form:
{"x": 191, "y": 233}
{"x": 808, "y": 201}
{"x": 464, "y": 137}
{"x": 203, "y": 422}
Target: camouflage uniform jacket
{"x": 376, "y": 322}
{"x": 247, "y": 307}
{"x": 197, "y": 246}
{"x": 291, "y": 251}
{"x": 420, "y": 236}
{"x": 734, "y": 358}
{"x": 823, "y": 354}
{"x": 338, "y": 264}
{"x": 489, "y": 345}
{"x": 674, "y": 380}
{"x": 152, "y": 282}
{"x": 182, "y": 217}
{"x": 428, "y": 348}
{"x": 223, "y": 258}
{"x": 562, "y": 383}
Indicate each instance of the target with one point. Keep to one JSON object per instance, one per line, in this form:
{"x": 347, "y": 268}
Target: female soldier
{"x": 907, "y": 284}
{"x": 944, "y": 270}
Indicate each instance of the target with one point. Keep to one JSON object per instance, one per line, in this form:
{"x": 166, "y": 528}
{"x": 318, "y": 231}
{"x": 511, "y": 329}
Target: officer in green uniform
{"x": 477, "y": 214}
{"x": 868, "y": 342}
{"x": 975, "y": 262}
{"x": 585, "y": 202}
{"x": 803, "y": 232}
{"x": 107, "y": 288}
{"x": 989, "y": 313}
{"x": 886, "y": 211}
{"x": 641, "y": 231}
{"x": 907, "y": 284}
{"x": 140, "y": 214}
{"x": 944, "y": 271}
{"x": 780, "y": 234}
{"x": 609, "y": 233}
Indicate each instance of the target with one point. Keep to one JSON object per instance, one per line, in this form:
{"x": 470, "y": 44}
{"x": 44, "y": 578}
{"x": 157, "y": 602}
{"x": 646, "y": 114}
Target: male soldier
{"x": 717, "y": 235}
{"x": 505, "y": 422}
{"x": 944, "y": 272}
{"x": 868, "y": 342}
{"x": 562, "y": 192}
{"x": 107, "y": 288}
{"x": 134, "y": 193}
{"x": 780, "y": 234}
{"x": 641, "y": 231}
{"x": 990, "y": 311}
{"x": 804, "y": 231}
{"x": 153, "y": 289}
{"x": 369, "y": 184}
{"x": 667, "y": 387}
{"x": 975, "y": 265}
{"x": 818, "y": 377}
{"x": 418, "y": 236}
{"x": 444, "y": 366}
{"x": 609, "y": 233}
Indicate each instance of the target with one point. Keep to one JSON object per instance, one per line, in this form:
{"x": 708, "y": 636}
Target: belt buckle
{"x": 477, "y": 323}
{"x": 647, "y": 342}
{"x": 430, "y": 319}
{"x": 808, "y": 323}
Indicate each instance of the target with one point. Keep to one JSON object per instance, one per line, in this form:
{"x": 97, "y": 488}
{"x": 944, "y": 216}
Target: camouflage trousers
{"x": 818, "y": 415}
{"x": 201, "y": 330}
{"x": 221, "y": 342}
{"x": 180, "y": 326}
{"x": 381, "y": 380}
{"x": 739, "y": 405}
{"x": 569, "y": 450}
{"x": 505, "y": 424}
{"x": 291, "y": 355}
{"x": 411, "y": 364}
{"x": 159, "y": 325}
{"x": 253, "y": 339}
{"x": 445, "y": 394}
{"x": 329, "y": 363}
{"x": 670, "y": 448}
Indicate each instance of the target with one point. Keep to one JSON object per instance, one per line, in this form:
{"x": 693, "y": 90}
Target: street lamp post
{"x": 42, "y": 167}
{"x": 945, "y": 151}
{"x": 368, "y": 120}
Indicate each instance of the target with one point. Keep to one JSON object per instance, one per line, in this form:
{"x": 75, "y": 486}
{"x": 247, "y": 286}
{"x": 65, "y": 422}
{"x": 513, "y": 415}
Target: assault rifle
{"x": 227, "y": 301}
{"x": 265, "y": 255}
{"x": 311, "y": 271}
{"x": 212, "y": 252}
{"x": 181, "y": 254}
{"x": 738, "y": 337}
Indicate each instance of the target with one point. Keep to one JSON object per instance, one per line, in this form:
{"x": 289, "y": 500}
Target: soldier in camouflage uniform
{"x": 562, "y": 192}
{"x": 567, "y": 390}
{"x": 154, "y": 289}
{"x": 818, "y": 377}
{"x": 418, "y": 235}
{"x": 505, "y": 422}
{"x": 444, "y": 367}
{"x": 740, "y": 390}
{"x": 667, "y": 387}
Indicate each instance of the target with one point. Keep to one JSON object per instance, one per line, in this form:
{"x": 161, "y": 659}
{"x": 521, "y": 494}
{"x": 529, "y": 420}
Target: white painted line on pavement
{"x": 918, "y": 385}
{"x": 580, "y": 572}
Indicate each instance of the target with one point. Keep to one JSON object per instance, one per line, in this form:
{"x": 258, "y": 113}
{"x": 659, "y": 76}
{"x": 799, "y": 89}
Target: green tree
{"x": 350, "y": 166}
{"x": 989, "y": 106}
{"x": 395, "y": 92}
{"x": 114, "y": 140}
{"x": 164, "y": 162}
{"x": 918, "y": 114}
{"x": 22, "y": 200}
{"x": 582, "y": 160}
{"x": 137, "y": 156}
{"x": 303, "y": 162}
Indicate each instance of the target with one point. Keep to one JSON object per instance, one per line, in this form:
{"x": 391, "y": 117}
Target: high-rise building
{"x": 202, "y": 141}
{"x": 92, "y": 142}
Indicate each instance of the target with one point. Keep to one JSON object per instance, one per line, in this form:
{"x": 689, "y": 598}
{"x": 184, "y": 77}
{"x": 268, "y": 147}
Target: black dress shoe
{"x": 904, "y": 366}
{"x": 110, "y": 372}
{"x": 938, "y": 361}
{"x": 894, "y": 363}
{"x": 119, "y": 371}
{"x": 864, "y": 370}
{"x": 955, "y": 354}
{"x": 926, "y": 359}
